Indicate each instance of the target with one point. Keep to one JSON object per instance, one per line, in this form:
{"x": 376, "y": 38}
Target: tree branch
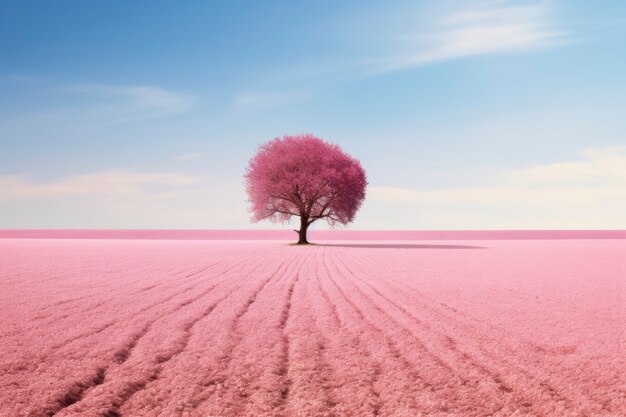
{"x": 283, "y": 211}
{"x": 290, "y": 199}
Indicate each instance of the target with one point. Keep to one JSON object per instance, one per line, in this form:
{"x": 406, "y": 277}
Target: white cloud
{"x": 254, "y": 100}
{"x": 587, "y": 193}
{"x": 600, "y": 167}
{"x": 493, "y": 27}
{"x": 490, "y": 27}
{"x": 424, "y": 33}
{"x": 190, "y": 156}
{"x": 123, "y": 199}
{"x": 133, "y": 103}
{"x": 105, "y": 184}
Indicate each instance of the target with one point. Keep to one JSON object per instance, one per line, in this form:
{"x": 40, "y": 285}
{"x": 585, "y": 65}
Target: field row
{"x": 196, "y": 328}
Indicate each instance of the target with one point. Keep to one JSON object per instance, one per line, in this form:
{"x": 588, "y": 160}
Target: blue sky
{"x": 465, "y": 114}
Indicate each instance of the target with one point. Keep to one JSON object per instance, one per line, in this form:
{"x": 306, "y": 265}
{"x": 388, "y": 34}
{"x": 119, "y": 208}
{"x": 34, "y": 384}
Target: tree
{"x": 306, "y": 177}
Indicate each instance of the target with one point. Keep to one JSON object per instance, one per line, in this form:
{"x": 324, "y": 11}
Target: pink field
{"x": 317, "y": 235}
{"x": 260, "y": 328}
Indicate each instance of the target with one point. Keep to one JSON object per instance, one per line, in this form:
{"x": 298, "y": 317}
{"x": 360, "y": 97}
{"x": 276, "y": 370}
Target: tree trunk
{"x": 304, "y": 225}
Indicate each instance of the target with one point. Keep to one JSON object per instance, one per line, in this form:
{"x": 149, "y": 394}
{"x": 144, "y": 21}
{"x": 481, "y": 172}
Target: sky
{"x": 465, "y": 114}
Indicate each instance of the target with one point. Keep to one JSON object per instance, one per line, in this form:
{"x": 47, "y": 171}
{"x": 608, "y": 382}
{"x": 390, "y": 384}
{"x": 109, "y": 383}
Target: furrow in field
{"x": 122, "y": 300}
{"x": 285, "y": 366}
{"x": 367, "y": 358}
{"x": 197, "y": 329}
{"x": 401, "y": 387}
{"x": 204, "y": 368}
{"x": 470, "y": 330}
{"x": 190, "y": 275}
{"x": 76, "y": 392}
{"x": 120, "y": 354}
{"x": 307, "y": 366}
{"x": 503, "y": 367}
{"x": 164, "y": 278}
{"x": 124, "y": 353}
{"x": 452, "y": 378}
{"x": 95, "y": 292}
{"x": 251, "y": 377}
{"x": 161, "y": 360}
{"x": 135, "y": 372}
{"x": 126, "y": 272}
{"x": 352, "y": 369}
{"x": 472, "y": 385}
{"x": 155, "y": 377}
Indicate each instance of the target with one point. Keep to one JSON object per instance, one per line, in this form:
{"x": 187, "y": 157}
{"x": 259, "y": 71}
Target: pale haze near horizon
{"x": 465, "y": 115}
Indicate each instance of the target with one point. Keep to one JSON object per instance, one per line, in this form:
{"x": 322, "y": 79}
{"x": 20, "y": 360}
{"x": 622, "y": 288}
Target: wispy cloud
{"x": 122, "y": 199}
{"x": 190, "y": 156}
{"x": 104, "y": 184}
{"x": 427, "y": 33}
{"x": 254, "y": 100}
{"x": 487, "y": 28}
{"x": 586, "y": 193}
{"x": 124, "y": 104}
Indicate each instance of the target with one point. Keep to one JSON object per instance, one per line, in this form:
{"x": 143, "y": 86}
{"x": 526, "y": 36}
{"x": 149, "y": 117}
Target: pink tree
{"x": 306, "y": 177}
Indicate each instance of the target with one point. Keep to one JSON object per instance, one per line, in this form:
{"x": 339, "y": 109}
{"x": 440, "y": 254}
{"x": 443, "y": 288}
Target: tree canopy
{"x": 307, "y": 177}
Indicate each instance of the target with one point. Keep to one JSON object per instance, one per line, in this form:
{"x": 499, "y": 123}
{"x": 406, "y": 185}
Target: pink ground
{"x": 315, "y": 235}
{"x": 234, "y": 328}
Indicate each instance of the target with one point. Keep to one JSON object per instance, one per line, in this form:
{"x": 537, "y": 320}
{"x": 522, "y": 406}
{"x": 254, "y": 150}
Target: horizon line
{"x": 287, "y": 234}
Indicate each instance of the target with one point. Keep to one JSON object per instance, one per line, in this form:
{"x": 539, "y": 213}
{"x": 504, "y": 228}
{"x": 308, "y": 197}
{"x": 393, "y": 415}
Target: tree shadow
{"x": 397, "y": 246}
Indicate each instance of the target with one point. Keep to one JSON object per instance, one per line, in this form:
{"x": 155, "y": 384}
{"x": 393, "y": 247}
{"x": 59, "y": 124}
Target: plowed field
{"x": 261, "y": 328}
